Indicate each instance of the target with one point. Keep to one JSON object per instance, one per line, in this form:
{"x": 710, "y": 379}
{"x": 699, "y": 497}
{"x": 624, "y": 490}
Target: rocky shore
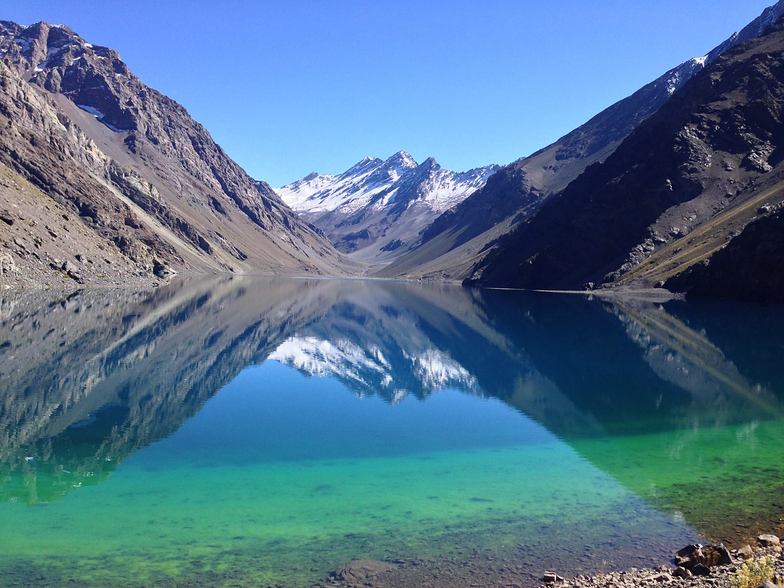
{"x": 697, "y": 565}
{"x": 715, "y": 566}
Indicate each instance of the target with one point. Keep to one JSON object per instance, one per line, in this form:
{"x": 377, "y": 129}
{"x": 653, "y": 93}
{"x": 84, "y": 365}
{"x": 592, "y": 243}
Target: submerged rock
{"x": 551, "y": 578}
{"x": 361, "y": 570}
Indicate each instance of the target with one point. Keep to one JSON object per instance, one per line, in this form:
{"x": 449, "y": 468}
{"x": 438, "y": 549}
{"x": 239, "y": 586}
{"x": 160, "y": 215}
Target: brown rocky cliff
{"x": 134, "y": 167}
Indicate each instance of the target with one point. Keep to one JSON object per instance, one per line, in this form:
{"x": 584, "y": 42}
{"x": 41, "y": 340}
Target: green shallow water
{"x": 264, "y": 433}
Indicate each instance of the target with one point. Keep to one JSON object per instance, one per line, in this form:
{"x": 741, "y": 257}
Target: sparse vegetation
{"x": 753, "y": 573}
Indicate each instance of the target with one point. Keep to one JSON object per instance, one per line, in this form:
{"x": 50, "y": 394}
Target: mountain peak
{"x": 401, "y": 159}
{"x": 430, "y": 164}
{"x": 376, "y": 209}
{"x": 364, "y": 165}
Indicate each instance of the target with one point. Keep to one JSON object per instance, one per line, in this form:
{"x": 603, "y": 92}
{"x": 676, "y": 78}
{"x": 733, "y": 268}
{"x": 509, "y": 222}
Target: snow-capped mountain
{"x": 376, "y": 208}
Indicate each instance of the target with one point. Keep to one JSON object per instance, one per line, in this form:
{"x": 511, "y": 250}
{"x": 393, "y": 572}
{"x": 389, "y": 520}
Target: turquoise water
{"x": 249, "y": 432}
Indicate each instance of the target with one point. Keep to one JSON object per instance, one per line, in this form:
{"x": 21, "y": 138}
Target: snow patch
{"x": 99, "y": 116}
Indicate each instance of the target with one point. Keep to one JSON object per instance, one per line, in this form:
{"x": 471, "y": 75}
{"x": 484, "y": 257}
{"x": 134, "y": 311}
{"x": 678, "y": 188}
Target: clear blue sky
{"x": 294, "y": 86}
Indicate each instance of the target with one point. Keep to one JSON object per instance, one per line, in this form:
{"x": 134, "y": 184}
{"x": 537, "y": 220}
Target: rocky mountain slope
{"x": 376, "y": 209}
{"x": 748, "y": 268}
{"x": 460, "y": 239}
{"x": 103, "y": 179}
{"x": 675, "y": 192}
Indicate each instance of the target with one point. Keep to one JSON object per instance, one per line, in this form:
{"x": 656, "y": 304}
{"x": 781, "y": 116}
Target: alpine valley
{"x": 562, "y": 371}
{"x": 679, "y": 185}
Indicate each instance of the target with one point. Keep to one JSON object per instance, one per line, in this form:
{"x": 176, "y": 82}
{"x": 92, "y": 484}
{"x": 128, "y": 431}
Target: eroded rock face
{"x": 137, "y": 176}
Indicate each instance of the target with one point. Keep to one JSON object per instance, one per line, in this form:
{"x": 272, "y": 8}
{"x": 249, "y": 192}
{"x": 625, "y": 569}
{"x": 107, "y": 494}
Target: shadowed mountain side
{"x": 676, "y": 191}
{"x": 462, "y": 241}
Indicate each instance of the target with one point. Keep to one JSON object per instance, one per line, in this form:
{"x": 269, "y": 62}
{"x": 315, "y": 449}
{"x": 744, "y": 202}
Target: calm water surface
{"x": 264, "y": 432}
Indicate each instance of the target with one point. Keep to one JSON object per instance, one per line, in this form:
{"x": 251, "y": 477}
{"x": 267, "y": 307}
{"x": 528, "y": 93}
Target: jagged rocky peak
{"x": 393, "y": 168}
{"x": 43, "y": 46}
{"x": 430, "y": 165}
{"x": 364, "y": 165}
{"x": 400, "y": 162}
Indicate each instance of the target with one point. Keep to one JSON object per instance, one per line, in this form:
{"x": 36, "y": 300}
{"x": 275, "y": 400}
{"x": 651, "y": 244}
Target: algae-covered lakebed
{"x": 265, "y": 432}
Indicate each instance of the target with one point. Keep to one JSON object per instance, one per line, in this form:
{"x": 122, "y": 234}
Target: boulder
{"x": 700, "y": 570}
{"x": 746, "y": 552}
{"x": 7, "y": 264}
{"x": 551, "y": 578}
{"x": 161, "y": 270}
{"x": 681, "y": 572}
{"x": 703, "y": 555}
{"x": 768, "y": 540}
{"x": 6, "y": 217}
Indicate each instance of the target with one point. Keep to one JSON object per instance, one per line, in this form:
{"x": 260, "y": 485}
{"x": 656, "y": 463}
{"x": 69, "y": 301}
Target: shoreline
{"x": 144, "y": 282}
{"x": 699, "y": 566}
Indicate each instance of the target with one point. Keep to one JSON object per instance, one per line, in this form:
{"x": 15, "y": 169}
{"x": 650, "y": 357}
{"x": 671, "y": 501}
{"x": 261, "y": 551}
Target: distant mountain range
{"x": 104, "y": 180}
{"x": 376, "y": 208}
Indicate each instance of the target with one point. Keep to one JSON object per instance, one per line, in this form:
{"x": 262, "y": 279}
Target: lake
{"x": 267, "y": 431}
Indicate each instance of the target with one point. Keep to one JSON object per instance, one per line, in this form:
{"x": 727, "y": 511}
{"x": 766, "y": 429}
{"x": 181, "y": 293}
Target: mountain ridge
{"x": 376, "y": 208}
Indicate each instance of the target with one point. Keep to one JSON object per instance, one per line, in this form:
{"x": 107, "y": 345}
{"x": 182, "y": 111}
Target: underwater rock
{"x": 361, "y": 570}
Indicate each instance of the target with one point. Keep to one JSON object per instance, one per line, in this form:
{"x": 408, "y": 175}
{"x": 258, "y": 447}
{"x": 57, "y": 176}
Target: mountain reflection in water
{"x": 680, "y": 403}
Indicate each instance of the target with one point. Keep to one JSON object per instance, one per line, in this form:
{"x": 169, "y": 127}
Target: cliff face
{"x": 674, "y": 192}
{"x": 92, "y": 159}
